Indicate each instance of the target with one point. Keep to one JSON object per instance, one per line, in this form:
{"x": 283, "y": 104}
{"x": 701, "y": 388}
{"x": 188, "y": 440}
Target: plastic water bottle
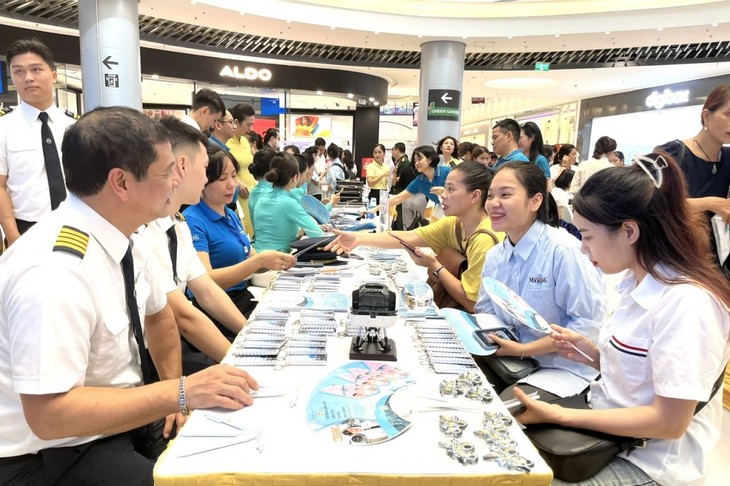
{"x": 371, "y": 208}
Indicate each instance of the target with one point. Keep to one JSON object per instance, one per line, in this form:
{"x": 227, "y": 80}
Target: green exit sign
{"x": 542, "y": 66}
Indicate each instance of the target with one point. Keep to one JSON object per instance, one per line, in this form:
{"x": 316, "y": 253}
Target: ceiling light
{"x": 659, "y": 29}
{"x": 288, "y": 21}
{"x": 350, "y": 95}
{"x": 523, "y": 83}
{"x": 464, "y": 37}
{"x": 714, "y": 24}
{"x": 155, "y": 76}
{"x": 608, "y": 32}
{"x": 419, "y": 36}
{"x": 320, "y": 92}
{"x": 377, "y": 103}
{"x": 557, "y": 35}
{"x": 509, "y": 36}
{"x": 371, "y": 99}
{"x": 376, "y": 32}
{"x": 332, "y": 27}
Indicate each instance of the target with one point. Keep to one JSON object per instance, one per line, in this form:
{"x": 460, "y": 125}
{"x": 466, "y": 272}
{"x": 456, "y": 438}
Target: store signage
{"x": 443, "y": 104}
{"x": 666, "y": 98}
{"x": 248, "y": 73}
{"x": 542, "y": 66}
{"x": 478, "y": 100}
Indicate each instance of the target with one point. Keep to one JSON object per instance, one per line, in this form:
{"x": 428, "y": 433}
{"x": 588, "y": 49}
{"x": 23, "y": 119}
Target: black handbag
{"x": 510, "y": 369}
{"x": 578, "y": 454}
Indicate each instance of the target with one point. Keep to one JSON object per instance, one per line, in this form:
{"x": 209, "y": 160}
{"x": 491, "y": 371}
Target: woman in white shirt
{"x": 667, "y": 342}
{"x": 564, "y": 159}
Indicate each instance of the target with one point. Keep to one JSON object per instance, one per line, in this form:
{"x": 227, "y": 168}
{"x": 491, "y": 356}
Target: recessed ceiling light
{"x": 420, "y": 35}
{"x": 714, "y": 24}
{"x": 376, "y": 32}
{"x": 523, "y": 83}
{"x": 608, "y": 32}
{"x": 371, "y": 99}
{"x": 155, "y": 76}
{"x": 332, "y": 27}
{"x": 320, "y": 92}
{"x": 464, "y": 37}
{"x": 557, "y": 35}
{"x": 377, "y": 103}
{"x": 241, "y": 13}
{"x": 350, "y": 95}
{"x": 288, "y": 21}
{"x": 659, "y": 29}
{"x": 509, "y": 36}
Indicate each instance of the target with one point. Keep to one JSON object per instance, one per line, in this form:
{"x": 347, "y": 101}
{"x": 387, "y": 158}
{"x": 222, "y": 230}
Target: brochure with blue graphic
{"x": 506, "y": 299}
{"x": 352, "y": 405}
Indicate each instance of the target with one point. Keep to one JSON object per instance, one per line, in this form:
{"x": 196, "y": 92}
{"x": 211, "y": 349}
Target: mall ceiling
{"x": 633, "y": 44}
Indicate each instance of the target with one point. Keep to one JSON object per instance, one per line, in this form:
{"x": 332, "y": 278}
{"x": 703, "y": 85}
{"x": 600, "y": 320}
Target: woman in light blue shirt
{"x": 260, "y": 166}
{"x": 543, "y": 265}
{"x": 279, "y": 216}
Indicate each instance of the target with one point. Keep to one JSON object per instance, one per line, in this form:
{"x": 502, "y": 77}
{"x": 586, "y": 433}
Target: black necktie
{"x": 128, "y": 273}
{"x": 172, "y": 245}
{"x": 56, "y": 183}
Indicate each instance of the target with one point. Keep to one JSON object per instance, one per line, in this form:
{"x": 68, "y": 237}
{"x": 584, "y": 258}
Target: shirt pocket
{"x": 25, "y": 156}
{"x": 629, "y": 359}
{"x": 110, "y": 347}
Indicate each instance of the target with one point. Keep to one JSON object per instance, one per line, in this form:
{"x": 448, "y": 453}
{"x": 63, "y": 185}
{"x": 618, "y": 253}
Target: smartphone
{"x": 403, "y": 242}
{"x": 482, "y": 337}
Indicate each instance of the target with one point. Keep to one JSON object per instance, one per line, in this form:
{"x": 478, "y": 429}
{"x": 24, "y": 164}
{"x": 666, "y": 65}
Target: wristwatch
{"x": 435, "y": 273}
{"x": 182, "y": 399}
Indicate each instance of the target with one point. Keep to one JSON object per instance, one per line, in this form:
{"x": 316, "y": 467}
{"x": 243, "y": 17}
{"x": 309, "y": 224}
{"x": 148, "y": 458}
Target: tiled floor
{"x": 720, "y": 467}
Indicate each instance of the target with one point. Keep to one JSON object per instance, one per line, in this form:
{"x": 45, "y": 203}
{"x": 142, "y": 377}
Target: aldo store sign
{"x": 248, "y": 73}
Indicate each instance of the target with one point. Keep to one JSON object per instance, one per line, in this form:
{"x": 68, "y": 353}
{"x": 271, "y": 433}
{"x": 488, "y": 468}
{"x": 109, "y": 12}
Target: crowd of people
{"x": 139, "y": 236}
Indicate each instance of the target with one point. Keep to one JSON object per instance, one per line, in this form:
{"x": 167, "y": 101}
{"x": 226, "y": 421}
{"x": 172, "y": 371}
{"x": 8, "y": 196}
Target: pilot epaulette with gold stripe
{"x": 179, "y": 216}
{"x": 72, "y": 240}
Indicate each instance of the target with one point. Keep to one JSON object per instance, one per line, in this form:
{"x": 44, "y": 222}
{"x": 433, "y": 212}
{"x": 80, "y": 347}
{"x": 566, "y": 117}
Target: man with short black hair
{"x": 223, "y": 130}
{"x": 75, "y": 400}
{"x": 207, "y": 108}
{"x": 31, "y": 177}
{"x": 320, "y": 168}
{"x": 504, "y": 142}
{"x": 271, "y": 139}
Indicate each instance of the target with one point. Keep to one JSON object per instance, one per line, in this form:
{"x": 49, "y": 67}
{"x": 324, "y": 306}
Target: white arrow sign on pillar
{"x": 446, "y": 98}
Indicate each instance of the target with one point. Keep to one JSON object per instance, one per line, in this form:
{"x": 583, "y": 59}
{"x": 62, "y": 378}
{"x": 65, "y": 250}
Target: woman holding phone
{"x": 543, "y": 265}
{"x": 667, "y": 342}
{"x": 464, "y": 194}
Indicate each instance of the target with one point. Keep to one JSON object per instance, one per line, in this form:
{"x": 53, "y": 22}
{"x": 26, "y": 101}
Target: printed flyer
{"x": 353, "y": 405}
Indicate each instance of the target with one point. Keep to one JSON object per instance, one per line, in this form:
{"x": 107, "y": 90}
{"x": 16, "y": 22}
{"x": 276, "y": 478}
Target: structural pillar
{"x": 110, "y": 66}
{"x": 442, "y": 79}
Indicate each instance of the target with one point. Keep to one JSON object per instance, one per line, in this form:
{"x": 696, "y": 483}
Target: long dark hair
{"x": 669, "y": 233}
{"x": 564, "y": 151}
{"x": 532, "y": 178}
{"x": 537, "y": 147}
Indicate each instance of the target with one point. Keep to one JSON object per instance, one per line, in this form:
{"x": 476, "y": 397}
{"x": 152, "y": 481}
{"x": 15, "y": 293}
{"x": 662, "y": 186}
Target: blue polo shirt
{"x": 516, "y": 156}
{"x": 422, "y": 185}
{"x": 221, "y": 237}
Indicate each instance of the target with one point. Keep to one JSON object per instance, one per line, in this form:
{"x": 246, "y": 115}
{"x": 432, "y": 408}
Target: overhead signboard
{"x": 443, "y": 104}
{"x": 478, "y": 100}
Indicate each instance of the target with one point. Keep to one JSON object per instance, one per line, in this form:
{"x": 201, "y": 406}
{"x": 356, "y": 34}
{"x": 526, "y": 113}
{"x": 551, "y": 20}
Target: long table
{"x": 290, "y": 453}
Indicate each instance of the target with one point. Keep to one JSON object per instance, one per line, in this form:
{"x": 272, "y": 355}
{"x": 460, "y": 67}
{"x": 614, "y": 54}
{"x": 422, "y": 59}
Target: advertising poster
{"x": 309, "y": 127}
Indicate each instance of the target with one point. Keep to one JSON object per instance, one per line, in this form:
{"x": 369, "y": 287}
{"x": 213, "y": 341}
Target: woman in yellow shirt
{"x": 377, "y": 173}
{"x": 245, "y": 116}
